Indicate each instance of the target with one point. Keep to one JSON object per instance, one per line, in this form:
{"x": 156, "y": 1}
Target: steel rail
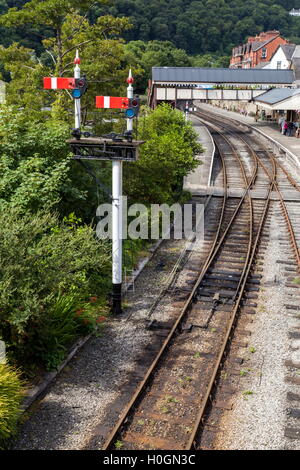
{"x": 277, "y": 188}
{"x": 111, "y": 437}
{"x": 252, "y": 251}
{"x": 213, "y": 252}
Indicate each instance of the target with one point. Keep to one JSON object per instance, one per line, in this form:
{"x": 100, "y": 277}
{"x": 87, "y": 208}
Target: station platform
{"x": 198, "y": 180}
{"x": 291, "y": 144}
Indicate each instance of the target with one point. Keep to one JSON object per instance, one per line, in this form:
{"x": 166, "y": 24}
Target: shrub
{"x": 10, "y": 401}
{"x": 45, "y": 267}
{"x": 164, "y": 159}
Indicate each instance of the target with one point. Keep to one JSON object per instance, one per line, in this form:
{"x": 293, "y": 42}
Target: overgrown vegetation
{"x": 10, "y": 399}
{"x": 47, "y": 267}
{"x": 54, "y": 272}
{"x": 167, "y": 156}
{"x": 204, "y": 26}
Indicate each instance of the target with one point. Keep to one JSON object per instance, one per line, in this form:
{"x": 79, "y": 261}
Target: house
{"x": 294, "y": 12}
{"x": 258, "y": 49}
{"x": 281, "y": 59}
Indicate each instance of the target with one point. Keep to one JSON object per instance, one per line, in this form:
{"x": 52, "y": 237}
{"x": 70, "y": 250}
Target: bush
{"x": 164, "y": 159}
{"x": 10, "y": 401}
{"x": 36, "y": 169}
{"x": 45, "y": 267}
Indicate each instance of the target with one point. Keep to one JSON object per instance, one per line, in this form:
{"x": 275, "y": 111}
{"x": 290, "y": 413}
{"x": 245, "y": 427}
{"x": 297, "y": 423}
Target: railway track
{"x": 278, "y": 175}
{"x": 168, "y": 407}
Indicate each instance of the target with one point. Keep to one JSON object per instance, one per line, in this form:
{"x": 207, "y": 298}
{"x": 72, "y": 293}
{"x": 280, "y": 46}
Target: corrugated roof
{"x": 276, "y": 95}
{"x": 219, "y": 75}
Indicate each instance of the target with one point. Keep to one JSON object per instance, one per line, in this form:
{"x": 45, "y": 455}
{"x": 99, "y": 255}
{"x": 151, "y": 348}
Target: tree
{"x": 165, "y": 158}
{"x": 99, "y": 46}
{"x": 143, "y": 56}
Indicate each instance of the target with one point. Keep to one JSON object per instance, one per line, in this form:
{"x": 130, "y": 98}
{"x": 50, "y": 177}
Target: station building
{"x": 276, "y": 102}
{"x": 177, "y": 84}
{"x": 264, "y": 94}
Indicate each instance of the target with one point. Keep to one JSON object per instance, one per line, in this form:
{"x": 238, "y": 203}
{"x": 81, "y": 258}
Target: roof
{"x": 261, "y": 65}
{"x": 256, "y": 45}
{"x": 221, "y": 75}
{"x": 288, "y": 50}
{"x": 296, "y": 53}
{"x": 277, "y": 94}
{"x": 296, "y": 68}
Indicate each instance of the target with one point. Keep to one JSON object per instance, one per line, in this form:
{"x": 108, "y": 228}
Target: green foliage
{"x": 34, "y": 162}
{"x": 57, "y": 328}
{"x": 68, "y": 29}
{"x": 36, "y": 171}
{"x": 40, "y": 259}
{"x": 210, "y": 60}
{"x": 165, "y": 158}
{"x": 204, "y": 26}
{"x": 145, "y": 55}
{"x": 10, "y": 401}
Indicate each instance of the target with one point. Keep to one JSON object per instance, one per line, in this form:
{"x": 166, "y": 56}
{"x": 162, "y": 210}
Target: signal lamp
{"x": 133, "y": 107}
{"x": 80, "y": 88}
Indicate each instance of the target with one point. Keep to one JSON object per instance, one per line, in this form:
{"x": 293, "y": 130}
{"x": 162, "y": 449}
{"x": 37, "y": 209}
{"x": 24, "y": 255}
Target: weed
{"x": 196, "y": 355}
{"x": 165, "y": 409}
{"x": 243, "y": 372}
{"x": 119, "y": 444}
{"x": 252, "y": 349}
{"x": 141, "y": 422}
{"x": 296, "y": 280}
{"x": 247, "y": 392}
{"x": 171, "y": 400}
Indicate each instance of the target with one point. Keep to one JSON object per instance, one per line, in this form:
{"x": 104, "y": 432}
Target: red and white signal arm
{"x": 112, "y": 102}
{"x": 59, "y": 83}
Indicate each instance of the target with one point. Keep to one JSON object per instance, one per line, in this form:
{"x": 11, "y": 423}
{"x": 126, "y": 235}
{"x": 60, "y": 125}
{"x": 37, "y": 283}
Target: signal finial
{"x": 130, "y": 79}
{"x": 77, "y": 60}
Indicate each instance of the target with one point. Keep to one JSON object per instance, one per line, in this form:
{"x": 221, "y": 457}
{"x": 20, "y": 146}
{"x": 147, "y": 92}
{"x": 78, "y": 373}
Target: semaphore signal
{"x": 118, "y": 152}
{"x": 59, "y": 83}
{"x": 112, "y": 102}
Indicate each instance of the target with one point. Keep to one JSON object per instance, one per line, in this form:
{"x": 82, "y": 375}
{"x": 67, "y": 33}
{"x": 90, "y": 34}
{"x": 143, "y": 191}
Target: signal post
{"x": 117, "y": 148}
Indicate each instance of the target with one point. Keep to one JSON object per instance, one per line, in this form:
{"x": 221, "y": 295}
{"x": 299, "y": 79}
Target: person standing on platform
{"x": 280, "y": 122}
{"x": 290, "y": 129}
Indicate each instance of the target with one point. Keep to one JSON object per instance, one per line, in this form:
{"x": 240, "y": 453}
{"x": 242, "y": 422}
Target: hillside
{"x": 207, "y": 25}
{"x": 198, "y": 26}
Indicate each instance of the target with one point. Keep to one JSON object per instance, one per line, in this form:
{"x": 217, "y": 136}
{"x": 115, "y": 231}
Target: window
{"x": 264, "y": 53}
{"x": 279, "y": 64}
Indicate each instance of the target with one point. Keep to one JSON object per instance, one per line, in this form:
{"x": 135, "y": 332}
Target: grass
{"x": 246, "y": 393}
{"x": 10, "y": 401}
{"x": 296, "y": 280}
